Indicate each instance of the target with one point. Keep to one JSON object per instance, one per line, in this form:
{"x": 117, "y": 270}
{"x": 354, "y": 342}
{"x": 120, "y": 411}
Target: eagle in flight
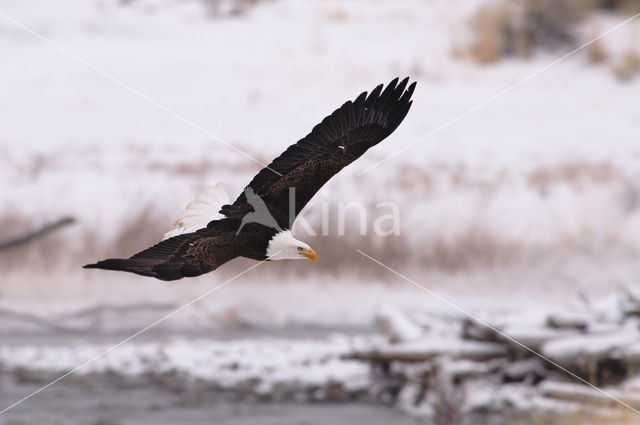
{"x": 257, "y": 225}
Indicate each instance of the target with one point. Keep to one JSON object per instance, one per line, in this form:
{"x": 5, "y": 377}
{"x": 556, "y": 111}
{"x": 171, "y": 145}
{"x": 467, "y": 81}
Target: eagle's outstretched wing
{"x": 306, "y": 166}
{"x": 336, "y": 142}
{"x": 185, "y": 255}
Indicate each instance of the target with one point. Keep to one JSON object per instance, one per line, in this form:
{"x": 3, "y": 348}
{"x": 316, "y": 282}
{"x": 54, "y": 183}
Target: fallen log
{"x": 30, "y": 236}
{"x": 429, "y": 348}
{"x": 393, "y": 323}
{"x": 588, "y": 395}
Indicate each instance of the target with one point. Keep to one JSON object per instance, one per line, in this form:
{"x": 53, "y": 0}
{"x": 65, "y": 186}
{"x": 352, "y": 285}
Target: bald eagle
{"x": 258, "y": 223}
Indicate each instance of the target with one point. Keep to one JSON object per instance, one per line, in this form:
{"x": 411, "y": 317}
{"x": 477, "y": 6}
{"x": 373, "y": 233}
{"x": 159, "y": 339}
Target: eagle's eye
{"x": 300, "y": 248}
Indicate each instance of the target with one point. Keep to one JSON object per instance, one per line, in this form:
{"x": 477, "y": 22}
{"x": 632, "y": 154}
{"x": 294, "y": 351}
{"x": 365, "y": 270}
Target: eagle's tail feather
{"x": 138, "y": 266}
{"x": 155, "y": 262}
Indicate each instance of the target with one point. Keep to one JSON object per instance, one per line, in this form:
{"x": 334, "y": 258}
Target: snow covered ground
{"x": 543, "y": 177}
{"x": 126, "y": 110}
{"x": 428, "y": 363}
{"x": 260, "y": 364}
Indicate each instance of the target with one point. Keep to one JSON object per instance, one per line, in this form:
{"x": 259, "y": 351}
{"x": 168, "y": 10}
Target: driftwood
{"x": 598, "y": 342}
{"x": 35, "y": 234}
{"x": 588, "y": 395}
{"x": 432, "y": 348}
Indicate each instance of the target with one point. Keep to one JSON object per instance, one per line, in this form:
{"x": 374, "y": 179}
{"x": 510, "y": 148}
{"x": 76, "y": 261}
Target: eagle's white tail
{"x": 200, "y": 211}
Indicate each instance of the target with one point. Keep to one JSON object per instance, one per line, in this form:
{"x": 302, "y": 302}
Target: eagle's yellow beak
{"x": 311, "y": 254}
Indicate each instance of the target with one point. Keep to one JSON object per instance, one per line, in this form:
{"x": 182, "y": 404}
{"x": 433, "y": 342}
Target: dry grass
{"x": 144, "y": 230}
{"x": 423, "y": 182}
{"x": 198, "y": 170}
{"x": 596, "y": 51}
{"x": 475, "y": 247}
{"x": 471, "y": 249}
{"x": 517, "y": 28}
{"x": 337, "y": 15}
{"x": 623, "y": 6}
{"x": 77, "y": 245}
{"x": 576, "y": 174}
{"x": 628, "y": 66}
{"x": 489, "y": 25}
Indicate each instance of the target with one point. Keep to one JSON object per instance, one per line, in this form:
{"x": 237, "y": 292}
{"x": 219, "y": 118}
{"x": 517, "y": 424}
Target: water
{"x": 97, "y": 401}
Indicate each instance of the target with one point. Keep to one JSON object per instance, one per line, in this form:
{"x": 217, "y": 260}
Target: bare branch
{"x": 30, "y": 236}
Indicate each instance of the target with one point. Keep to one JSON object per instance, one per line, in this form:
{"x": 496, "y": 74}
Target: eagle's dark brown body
{"x": 306, "y": 166}
{"x": 193, "y": 254}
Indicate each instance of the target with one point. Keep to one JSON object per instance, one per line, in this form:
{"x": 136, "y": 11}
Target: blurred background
{"x": 518, "y": 192}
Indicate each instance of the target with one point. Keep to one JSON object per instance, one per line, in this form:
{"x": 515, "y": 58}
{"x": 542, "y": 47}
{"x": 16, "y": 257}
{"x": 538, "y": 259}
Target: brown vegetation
{"x": 472, "y": 248}
{"x": 596, "y": 51}
{"x": 517, "y": 28}
{"x": 628, "y": 66}
{"x": 575, "y": 173}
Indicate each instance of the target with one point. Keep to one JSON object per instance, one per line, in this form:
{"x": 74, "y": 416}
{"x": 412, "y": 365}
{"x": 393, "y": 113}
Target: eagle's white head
{"x": 283, "y": 246}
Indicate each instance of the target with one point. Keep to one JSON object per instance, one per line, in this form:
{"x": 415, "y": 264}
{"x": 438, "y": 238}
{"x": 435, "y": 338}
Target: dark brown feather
{"x": 337, "y": 141}
{"x": 306, "y": 166}
{"x": 186, "y": 255}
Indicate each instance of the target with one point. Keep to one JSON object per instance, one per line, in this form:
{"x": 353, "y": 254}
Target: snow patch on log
{"x": 569, "y": 350}
{"x": 393, "y": 323}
